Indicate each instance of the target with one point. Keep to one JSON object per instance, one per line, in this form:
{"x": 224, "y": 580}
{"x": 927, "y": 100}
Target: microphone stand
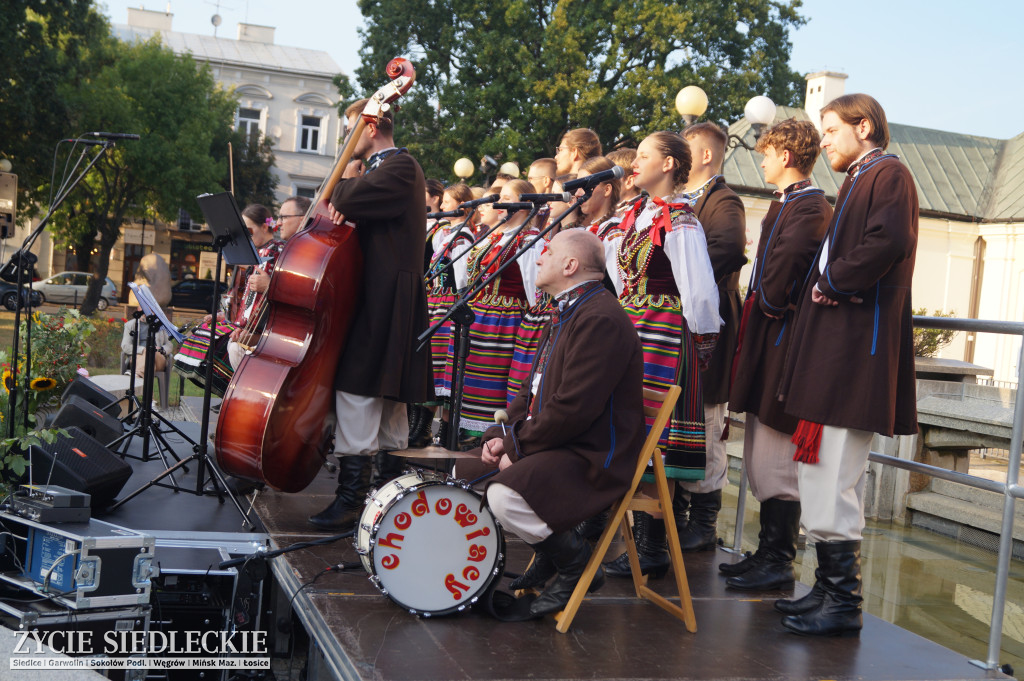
{"x": 23, "y": 258}
{"x": 466, "y": 252}
{"x": 463, "y": 318}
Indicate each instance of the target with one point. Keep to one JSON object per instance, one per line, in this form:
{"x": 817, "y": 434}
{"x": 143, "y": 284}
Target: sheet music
{"x": 149, "y": 306}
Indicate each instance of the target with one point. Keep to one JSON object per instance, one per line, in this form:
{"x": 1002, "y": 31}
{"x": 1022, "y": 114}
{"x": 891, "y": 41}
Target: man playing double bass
{"x": 379, "y": 370}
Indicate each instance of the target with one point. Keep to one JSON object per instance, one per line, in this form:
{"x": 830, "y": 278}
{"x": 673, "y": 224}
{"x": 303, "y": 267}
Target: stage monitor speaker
{"x": 93, "y": 394}
{"x": 81, "y": 463}
{"x": 96, "y": 423}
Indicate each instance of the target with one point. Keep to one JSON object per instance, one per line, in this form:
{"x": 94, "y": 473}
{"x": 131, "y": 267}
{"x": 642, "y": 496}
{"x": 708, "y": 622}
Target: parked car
{"x": 70, "y": 288}
{"x": 9, "y": 297}
{"x": 196, "y": 294}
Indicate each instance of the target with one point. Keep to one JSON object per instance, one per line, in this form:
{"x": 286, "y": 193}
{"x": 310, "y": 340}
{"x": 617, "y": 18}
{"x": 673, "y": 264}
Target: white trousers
{"x": 832, "y": 490}
{"x": 367, "y": 425}
{"x": 515, "y": 514}
{"x": 716, "y": 468}
{"x": 768, "y": 457}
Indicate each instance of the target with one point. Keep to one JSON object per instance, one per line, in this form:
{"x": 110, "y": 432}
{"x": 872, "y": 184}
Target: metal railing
{"x": 1010, "y": 490}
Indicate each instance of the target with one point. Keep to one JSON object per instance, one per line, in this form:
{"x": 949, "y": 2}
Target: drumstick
{"x": 501, "y": 417}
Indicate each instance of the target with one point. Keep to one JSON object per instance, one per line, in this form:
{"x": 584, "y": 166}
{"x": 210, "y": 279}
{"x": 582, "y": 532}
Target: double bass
{"x": 273, "y": 425}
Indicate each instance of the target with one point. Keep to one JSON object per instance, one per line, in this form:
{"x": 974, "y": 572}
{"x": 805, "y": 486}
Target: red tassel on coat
{"x": 807, "y": 439}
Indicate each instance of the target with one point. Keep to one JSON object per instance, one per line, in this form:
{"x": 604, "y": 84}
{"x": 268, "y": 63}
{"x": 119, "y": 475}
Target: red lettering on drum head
{"x": 443, "y": 506}
{"x": 391, "y": 539}
{"x": 389, "y": 562}
{"x": 464, "y": 517}
{"x": 420, "y": 505}
{"x": 471, "y": 573}
{"x": 452, "y": 585}
{"x": 477, "y": 553}
{"x": 403, "y": 521}
{"x": 482, "y": 532}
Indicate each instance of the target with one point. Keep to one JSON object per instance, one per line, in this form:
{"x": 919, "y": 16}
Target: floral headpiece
{"x": 271, "y": 225}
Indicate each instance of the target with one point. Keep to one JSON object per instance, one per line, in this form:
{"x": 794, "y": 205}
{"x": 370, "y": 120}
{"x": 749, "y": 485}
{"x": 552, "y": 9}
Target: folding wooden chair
{"x": 631, "y": 502}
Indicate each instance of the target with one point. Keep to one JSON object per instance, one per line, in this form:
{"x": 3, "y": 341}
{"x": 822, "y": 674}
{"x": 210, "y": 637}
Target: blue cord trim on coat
{"x": 874, "y": 337}
{"x": 781, "y": 331}
{"x": 611, "y": 421}
{"x": 482, "y": 477}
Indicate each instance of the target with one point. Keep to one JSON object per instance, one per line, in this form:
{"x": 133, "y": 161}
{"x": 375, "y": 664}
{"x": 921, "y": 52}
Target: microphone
{"x": 479, "y": 202}
{"x": 564, "y": 197}
{"x": 114, "y": 135}
{"x": 501, "y": 417}
{"x": 513, "y": 207}
{"x": 590, "y": 181}
{"x": 81, "y": 141}
{"x": 446, "y": 214}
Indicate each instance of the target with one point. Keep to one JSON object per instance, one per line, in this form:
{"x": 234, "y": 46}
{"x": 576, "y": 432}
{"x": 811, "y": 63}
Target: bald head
{"x": 572, "y": 257}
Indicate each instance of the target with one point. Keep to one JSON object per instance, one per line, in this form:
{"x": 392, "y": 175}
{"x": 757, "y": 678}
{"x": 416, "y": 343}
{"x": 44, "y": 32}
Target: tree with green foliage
{"x": 45, "y": 46}
{"x": 251, "y": 159}
{"x": 509, "y": 77}
{"x": 178, "y": 110}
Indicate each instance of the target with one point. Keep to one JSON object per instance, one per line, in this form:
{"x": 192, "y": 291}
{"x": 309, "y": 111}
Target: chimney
{"x": 822, "y": 88}
{"x": 147, "y": 18}
{"x": 256, "y": 34}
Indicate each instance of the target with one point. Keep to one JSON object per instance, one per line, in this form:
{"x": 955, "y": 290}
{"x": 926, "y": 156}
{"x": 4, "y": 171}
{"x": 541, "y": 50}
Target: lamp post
{"x": 692, "y": 102}
{"x": 463, "y": 168}
{"x": 509, "y": 168}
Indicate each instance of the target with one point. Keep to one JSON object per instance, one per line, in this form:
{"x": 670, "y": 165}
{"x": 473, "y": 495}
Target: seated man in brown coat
{"x": 577, "y": 426}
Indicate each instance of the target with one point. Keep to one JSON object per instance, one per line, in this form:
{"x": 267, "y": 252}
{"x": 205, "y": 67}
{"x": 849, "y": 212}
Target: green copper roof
{"x": 958, "y": 176}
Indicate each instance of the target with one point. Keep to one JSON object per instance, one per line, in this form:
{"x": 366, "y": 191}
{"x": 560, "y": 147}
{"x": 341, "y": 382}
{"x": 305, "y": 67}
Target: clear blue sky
{"x": 944, "y": 64}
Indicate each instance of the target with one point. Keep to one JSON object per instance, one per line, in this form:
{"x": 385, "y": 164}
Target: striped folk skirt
{"x": 527, "y": 341}
{"x": 438, "y": 303}
{"x": 670, "y": 358}
{"x": 492, "y": 340}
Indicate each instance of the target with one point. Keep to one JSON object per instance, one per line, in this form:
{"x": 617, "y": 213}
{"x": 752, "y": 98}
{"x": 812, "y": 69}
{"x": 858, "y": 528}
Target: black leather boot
{"x": 569, "y": 552}
{"x": 537, "y": 575}
{"x": 839, "y": 612}
{"x": 591, "y": 528}
{"x": 780, "y": 523}
{"x": 441, "y": 439}
{"x": 680, "y": 506}
{"x": 651, "y": 548}
{"x": 350, "y": 496}
{"x": 809, "y": 601}
{"x": 701, "y": 533}
{"x": 420, "y": 421}
{"x": 386, "y": 467}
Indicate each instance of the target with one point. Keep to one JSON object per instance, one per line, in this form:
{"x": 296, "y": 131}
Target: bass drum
{"x": 427, "y": 544}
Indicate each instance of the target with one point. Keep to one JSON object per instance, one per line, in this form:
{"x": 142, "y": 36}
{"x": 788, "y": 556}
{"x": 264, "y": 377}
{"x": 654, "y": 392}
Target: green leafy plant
{"x": 14, "y": 463}
{"x": 928, "y": 342}
{"x": 59, "y": 348}
{"x": 105, "y": 343}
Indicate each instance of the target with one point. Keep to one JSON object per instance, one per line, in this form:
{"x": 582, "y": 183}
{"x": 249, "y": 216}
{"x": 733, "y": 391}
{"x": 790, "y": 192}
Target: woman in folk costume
{"x": 668, "y": 289}
{"x": 599, "y": 218}
{"x": 443, "y": 278}
{"x": 498, "y": 309}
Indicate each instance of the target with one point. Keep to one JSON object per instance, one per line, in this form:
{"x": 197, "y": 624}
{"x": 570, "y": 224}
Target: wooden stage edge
{"x": 356, "y": 633}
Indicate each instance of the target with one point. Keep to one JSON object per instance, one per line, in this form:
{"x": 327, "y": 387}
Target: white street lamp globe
{"x": 691, "y": 103}
{"x": 509, "y": 168}
{"x": 5, "y": 165}
{"x": 759, "y": 110}
{"x": 463, "y": 168}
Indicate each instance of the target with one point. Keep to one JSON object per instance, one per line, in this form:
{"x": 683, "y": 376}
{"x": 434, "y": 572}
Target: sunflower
{"x": 8, "y": 379}
{"x": 43, "y": 383}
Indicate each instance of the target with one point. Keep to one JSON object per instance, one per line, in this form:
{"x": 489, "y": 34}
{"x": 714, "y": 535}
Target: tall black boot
{"x": 752, "y": 560}
{"x": 680, "y": 506}
{"x": 839, "y": 612}
{"x": 591, "y": 528}
{"x": 421, "y": 419}
{"x": 780, "y": 524}
{"x": 701, "y": 533}
{"x": 651, "y": 548}
{"x": 569, "y": 552}
{"x": 538, "y": 574}
{"x": 386, "y": 467}
{"x": 350, "y": 496}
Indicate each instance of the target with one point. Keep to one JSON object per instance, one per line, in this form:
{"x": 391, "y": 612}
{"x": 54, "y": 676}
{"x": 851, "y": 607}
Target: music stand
{"x": 234, "y": 246}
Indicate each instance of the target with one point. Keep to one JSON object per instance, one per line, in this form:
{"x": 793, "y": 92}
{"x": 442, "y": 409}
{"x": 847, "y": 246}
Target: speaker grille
{"x": 81, "y": 463}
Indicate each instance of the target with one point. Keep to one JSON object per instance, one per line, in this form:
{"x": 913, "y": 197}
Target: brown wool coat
{"x": 790, "y": 235}
{"x": 380, "y": 357}
{"x": 576, "y": 456}
{"x": 852, "y": 366}
{"x": 721, "y": 214}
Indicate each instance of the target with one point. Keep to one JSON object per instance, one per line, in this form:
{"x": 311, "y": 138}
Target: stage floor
{"x": 359, "y": 634}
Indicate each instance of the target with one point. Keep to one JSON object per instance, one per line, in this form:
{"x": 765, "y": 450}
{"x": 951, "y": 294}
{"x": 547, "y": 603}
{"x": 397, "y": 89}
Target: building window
{"x": 307, "y": 192}
{"x": 249, "y": 124}
{"x": 309, "y": 133}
